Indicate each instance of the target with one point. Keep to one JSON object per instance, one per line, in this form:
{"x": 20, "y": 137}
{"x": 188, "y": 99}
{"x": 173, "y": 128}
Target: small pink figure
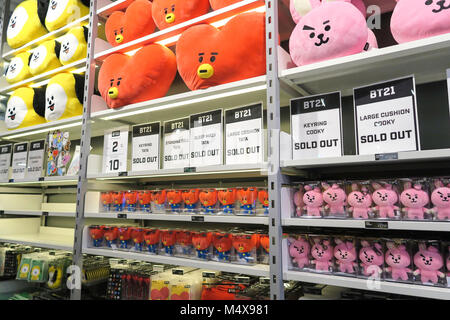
{"x": 428, "y": 262}
{"x": 371, "y": 258}
{"x": 345, "y": 253}
{"x": 298, "y": 201}
{"x": 440, "y": 198}
{"x": 322, "y": 252}
{"x": 414, "y": 200}
{"x": 335, "y": 198}
{"x": 360, "y": 202}
{"x": 313, "y": 201}
{"x": 385, "y": 200}
{"x": 299, "y": 251}
{"x": 398, "y": 260}
{"x": 448, "y": 263}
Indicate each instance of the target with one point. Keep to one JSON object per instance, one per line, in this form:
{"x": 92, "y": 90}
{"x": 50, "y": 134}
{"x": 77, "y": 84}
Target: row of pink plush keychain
{"x": 408, "y": 199}
{"x": 400, "y": 260}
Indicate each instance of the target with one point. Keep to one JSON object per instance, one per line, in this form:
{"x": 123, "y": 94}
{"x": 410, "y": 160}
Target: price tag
{"x": 145, "y": 147}
{"x": 19, "y": 161}
{"x": 244, "y": 135}
{"x": 35, "y": 159}
{"x": 5, "y": 161}
{"x": 115, "y": 150}
{"x": 376, "y": 225}
{"x": 176, "y": 143}
{"x": 197, "y": 219}
{"x": 206, "y": 142}
{"x": 386, "y": 117}
{"x": 316, "y": 126}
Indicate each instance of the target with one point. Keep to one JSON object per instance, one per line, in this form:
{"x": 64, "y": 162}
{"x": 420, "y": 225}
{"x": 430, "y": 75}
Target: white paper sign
{"x": 176, "y": 143}
{"x": 244, "y": 135}
{"x": 5, "y": 161}
{"x": 35, "y": 159}
{"x": 115, "y": 150}
{"x": 19, "y": 161}
{"x": 206, "y": 141}
{"x": 145, "y": 147}
{"x": 316, "y": 126}
{"x": 386, "y": 117}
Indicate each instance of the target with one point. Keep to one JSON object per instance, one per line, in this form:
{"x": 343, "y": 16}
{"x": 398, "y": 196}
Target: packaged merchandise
{"x": 247, "y": 200}
{"x": 131, "y": 200}
{"x": 191, "y": 200}
{"x": 184, "y": 246}
{"x": 145, "y": 199}
{"x": 415, "y": 199}
{"x": 298, "y": 200}
{"x": 371, "y": 258}
{"x": 152, "y": 239}
{"x": 137, "y": 234}
{"x": 360, "y": 200}
{"x": 335, "y": 199}
{"x": 447, "y": 263}
{"x": 175, "y": 201}
{"x": 313, "y": 201}
{"x": 263, "y": 254}
{"x": 111, "y": 235}
{"x": 222, "y": 246}
{"x": 346, "y": 256}
{"x": 202, "y": 242}
{"x": 299, "y": 251}
{"x": 97, "y": 234}
{"x": 263, "y": 203}
{"x": 440, "y": 198}
{"x": 168, "y": 240}
{"x": 125, "y": 239}
{"x": 385, "y": 198}
{"x": 322, "y": 254}
{"x": 227, "y": 199}
{"x": 245, "y": 244}
{"x": 429, "y": 264}
{"x": 208, "y": 200}
{"x": 159, "y": 201}
{"x": 398, "y": 261}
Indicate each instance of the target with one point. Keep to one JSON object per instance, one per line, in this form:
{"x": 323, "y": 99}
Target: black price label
{"x": 198, "y": 219}
{"x": 377, "y": 225}
{"x": 122, "y": 216}
{"x": 178, "y": 271}
{"x": 386, "y": 156}
{"x": 190, "y": 169}
{"x": 41, "y": 179}
{"x": 123, "y": 174}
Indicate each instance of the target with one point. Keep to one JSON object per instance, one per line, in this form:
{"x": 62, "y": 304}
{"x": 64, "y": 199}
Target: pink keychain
{"x": 335, "y": 198}
{"x": 372, "y": 258}
{"x": 298, "y": 201}
{"x": 428, "y": 262}
{"x": 345, "y": 254}
{"x": 299, "y": 251}
{"x": 322, "y": 252}
{"x": 385, "y": 200}
{"x": 414, "y": 200}
{"x": 313, "y": 201}
{"x": 398, "y": 260}
{"x": 440, "y": 198}
{"x": 360, "y": 202}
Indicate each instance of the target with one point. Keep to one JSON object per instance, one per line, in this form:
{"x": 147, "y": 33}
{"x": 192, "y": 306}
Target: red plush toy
{"x": 167, "y": 13}
{"x": 207, "y": 57}
{"x": 219, "y": 4}
{"x": 147, "y": 75}
{"x": 135, "y": 23}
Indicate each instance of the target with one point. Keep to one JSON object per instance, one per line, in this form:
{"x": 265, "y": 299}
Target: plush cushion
{"x": 167, "y": 13}
{"x": 330, "y": 30}
{"x": 25, "y": 24}
{"x": 45, "y": 57}
{"x": 418, "y": 19}
{"x": 219, "y": 4}
{"x": 300, "y": 8}
{"x": 146, "y": 75}
{"x": 74, "y": 45}
{"x": 207, "y": 57}
{"x": 63, "y": 12}
{"x": 135, "y": 23}
{"x": 20, "y": 109}
{"x": 18, "y": 69}
{"x": 64, "y": 96}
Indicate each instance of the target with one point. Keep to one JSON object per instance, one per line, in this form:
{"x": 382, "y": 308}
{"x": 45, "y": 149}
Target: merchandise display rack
{"x": 427, "y": 59}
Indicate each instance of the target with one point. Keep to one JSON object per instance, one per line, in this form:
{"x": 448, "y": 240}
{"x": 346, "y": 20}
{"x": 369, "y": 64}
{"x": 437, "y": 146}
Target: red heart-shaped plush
{"x": 182, "y": 296}
{"x": 147, "y": 75}
{"x": 167, "y": 13}
{"x": 218, "y": 4}
{"x": 162, "y": 294}
{"x": 207, "y": 57}
{"x": 136, "y": 22}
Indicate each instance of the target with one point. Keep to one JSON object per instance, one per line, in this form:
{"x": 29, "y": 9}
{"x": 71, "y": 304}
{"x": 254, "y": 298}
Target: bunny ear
{"x": 390, "y": 245}
{"x": 418, "y": 186}
{"x": 338, "y": 241}
{"x": 364, "y": 190}
{"x": 402, "y": 247}
{"x": 388, "y": 186}
{"x": 308, "y": 188}
{"x": 316, "y": 189}
{"x": 354, "y": 187}
{"x": 325, "y": 185}
{"x": 422, "y": 246}
{"x": 377, "y": 248}
{"x": 376, "y": 186}
{"x": 349, "y": 245}
{"x": 407, "y": 185}
{"x": 438, "y": 183}
{"x": 364, "y": 243}
{"x": 334, "y": 186}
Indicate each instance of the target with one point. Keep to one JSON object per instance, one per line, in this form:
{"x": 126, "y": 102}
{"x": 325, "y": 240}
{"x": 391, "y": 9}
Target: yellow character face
{"x": 35, "y": 273}
{"x": 24, "y": 270}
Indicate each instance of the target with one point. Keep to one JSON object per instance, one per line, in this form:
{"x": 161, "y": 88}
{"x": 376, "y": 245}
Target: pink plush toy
{"x": 385, "y": 200}
{"x": 440, "y": 198}
{"x": 335, "y": 198}
{"x": 371, "y": 258}
{"x": 322, "y": 252}
{"x": 417, "y": 19}
{"x": 298, "y": 201}
{"x": 428, "y": 262}
{"x": 345, "y": 253}
{"x": 414, "y": 200}
{"x": 448, "y": 262}
{"x": 299, "y": 250}
{"x": 330, "y": 30}
{"x": 360, "y": 202}
{"x": 398, "y": 260}
{"x": 313, "y": 201}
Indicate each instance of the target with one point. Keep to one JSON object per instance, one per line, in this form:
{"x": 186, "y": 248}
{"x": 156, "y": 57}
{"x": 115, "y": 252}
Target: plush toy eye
{"x": 428, "y": 2}
{"x": 213, "y": 58}
{"x": 327, "y": 28}
{"x": 312, "y": 35}
{"x": 173, "y": 8}
{"x": 165, "y": 10}
{"x": 200, "y": 59}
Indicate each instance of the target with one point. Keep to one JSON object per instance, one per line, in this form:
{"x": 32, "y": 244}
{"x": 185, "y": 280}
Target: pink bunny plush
{"x": 299, "y": 251}
{"x": 428, "y": 262}
{"x": 335, "y": 198}
{"x": 385, "y": 200}
{"x": 313, "y": 201}
{"x": 418, "y": 19}
{"x": 360, "y": 202}
{"x": 345, "y": 253}
{"x": 330, "y": 30}
{"x": 440, "y": 198}
{"x": 398, "y": 260}
{"x": 322, "y": 252}
{"x": 372, "y": 258}
{"x": 414, "y": 201}
{"x": 298, "y": 201}
{"x": 448, "y": 263}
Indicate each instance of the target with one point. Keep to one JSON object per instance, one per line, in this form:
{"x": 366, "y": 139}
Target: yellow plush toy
{"x": 64, "y": 96}
{"x": 18, "y": 69}
{"x": 63, "y": 12}
{"x": 74, "y": 45}
{"x": 45, "y": 57}
{"x": 20, "y": 110}
{"x": 26, "y": 23}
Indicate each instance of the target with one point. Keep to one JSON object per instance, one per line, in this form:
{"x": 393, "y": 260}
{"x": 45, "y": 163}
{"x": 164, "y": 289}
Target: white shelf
{"x": 427, "y": 59}
{"x": 361, "y": 224}
{"x": 362, "y": 284}
{"x": 254, "y": 270}
{"x": 51, "y": 35}
{"x": 24, "y": 213}
{"x": 44, "y": 181}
